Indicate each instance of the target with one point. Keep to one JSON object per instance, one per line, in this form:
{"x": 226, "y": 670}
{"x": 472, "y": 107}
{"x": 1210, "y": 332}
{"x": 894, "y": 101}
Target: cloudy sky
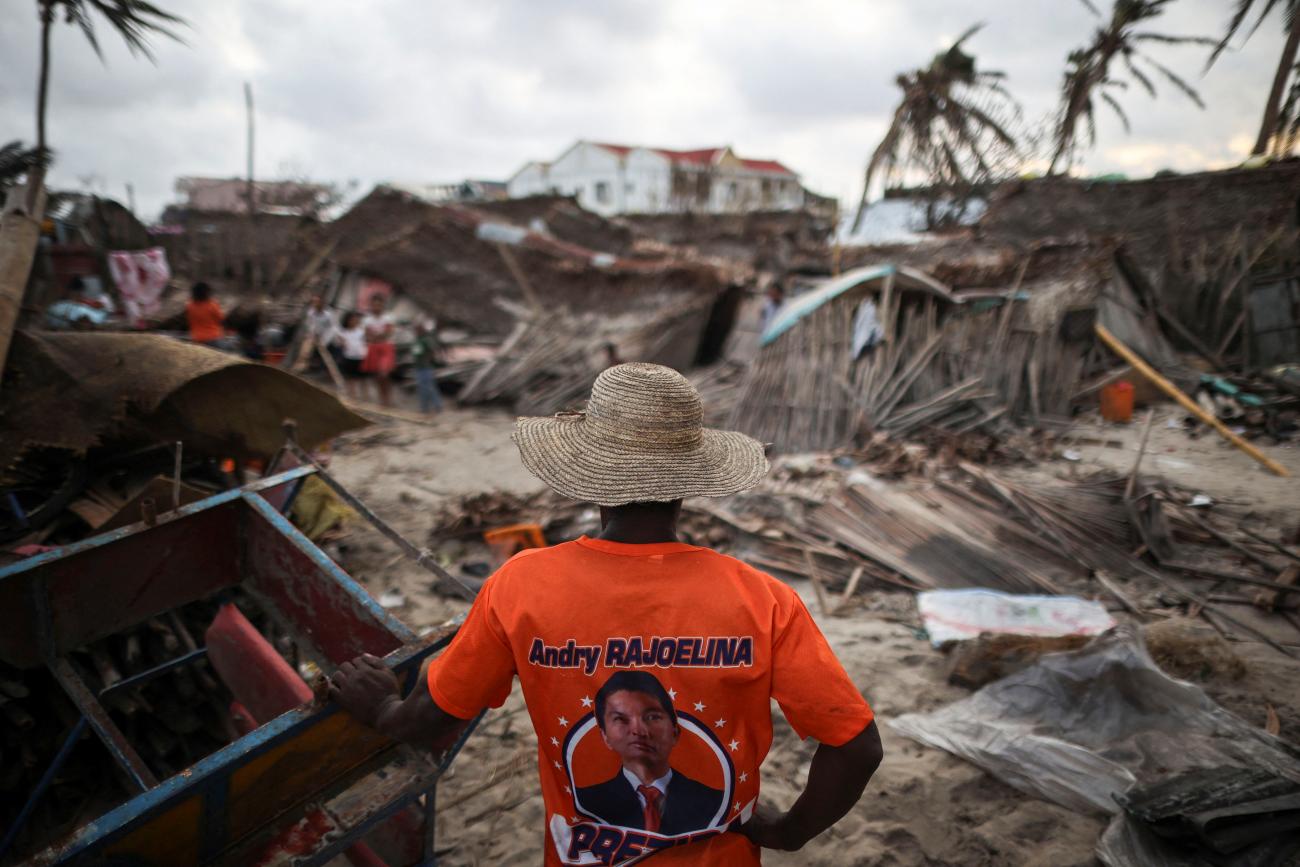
{"x": 413, "y": 90}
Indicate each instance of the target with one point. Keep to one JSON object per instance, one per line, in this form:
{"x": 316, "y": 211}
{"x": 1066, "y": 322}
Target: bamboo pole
{"x": 1183, "y": 400}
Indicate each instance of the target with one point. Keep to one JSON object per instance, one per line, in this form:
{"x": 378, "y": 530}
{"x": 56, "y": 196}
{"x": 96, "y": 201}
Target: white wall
{"x": 640, "y": 182}
{"x": 531, "y": 180}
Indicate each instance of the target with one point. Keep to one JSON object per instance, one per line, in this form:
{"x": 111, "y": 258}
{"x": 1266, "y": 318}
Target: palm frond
{"x": 969, "y": 32}
{"x": 135, "y": 21}
{"x": 1239, "y": 15}
{"x": 1092, "y": 7}
{"x": 1173, "y": 40}
{"x": 1118, "y": 109}
{"x": 76, "y": 14}
{"x": 1174, "y": 79}
{"x": 1138, "y": 74}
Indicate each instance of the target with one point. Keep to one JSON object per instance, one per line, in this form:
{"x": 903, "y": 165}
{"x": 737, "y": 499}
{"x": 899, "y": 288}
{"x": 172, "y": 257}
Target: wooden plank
{"x": 1183, "y": 400}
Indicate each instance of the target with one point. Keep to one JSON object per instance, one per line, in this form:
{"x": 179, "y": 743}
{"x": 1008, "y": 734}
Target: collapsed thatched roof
{"x": 446, "y": 258}
{"x": 1148, "y": 215}
{"x": 776, "y": 241}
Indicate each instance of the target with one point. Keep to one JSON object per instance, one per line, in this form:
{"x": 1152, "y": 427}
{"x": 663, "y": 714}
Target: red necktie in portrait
{"x": 652, "y": 796}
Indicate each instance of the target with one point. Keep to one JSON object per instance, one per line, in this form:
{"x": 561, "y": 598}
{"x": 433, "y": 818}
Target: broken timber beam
{"x": 1186, "y": 402}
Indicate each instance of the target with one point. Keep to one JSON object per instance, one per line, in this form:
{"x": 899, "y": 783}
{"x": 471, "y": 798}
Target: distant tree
{"x": 1280, "y": 126}
{"x": 952, "y": 125}
{"x": 134, "y": 20}
{"x": 1088, "y": 76}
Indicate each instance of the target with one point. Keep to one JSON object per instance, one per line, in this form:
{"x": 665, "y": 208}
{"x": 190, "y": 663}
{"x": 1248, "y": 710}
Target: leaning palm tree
{"x": 134, "y": 20}
{"x": 952, "y": 124}
{"x": 1280, "y": 125}
{"x": 1088, "y": 77}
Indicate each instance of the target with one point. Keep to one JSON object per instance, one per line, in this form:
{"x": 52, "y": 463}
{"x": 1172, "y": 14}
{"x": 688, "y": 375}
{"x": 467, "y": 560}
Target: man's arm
{"x": 368, "y": 689}
{"x": 835, "y": 783}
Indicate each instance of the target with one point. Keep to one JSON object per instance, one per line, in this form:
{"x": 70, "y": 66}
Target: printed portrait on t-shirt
{"x": 635, "y": 717}
{"x": 653, "y": 708}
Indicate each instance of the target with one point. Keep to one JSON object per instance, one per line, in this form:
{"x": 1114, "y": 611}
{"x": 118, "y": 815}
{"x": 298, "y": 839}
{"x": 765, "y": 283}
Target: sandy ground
{"x": 1202, "y": 461}
{"x": 924, "y": 807}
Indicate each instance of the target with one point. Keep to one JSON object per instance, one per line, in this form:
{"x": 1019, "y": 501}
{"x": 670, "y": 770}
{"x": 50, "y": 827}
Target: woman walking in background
{"x": 381, "y": 354}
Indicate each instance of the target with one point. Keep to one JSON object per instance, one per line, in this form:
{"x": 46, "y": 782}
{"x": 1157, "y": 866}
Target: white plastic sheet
{"x": 954, "y": 615}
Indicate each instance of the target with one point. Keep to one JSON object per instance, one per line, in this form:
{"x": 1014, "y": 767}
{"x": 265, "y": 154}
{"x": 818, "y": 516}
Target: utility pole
{"x": 252, "y": 194}
{"x": 248, "y": 103}
{"x": 130, "y": 198}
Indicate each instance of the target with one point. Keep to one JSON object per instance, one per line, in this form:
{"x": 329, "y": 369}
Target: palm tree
{"x": 1088, "y": 74}
{"x": 16, "y": 161}
{"x": 134, "y": 20}
{"x": 952, "y": 124}
{"x": 1281, "y": 123}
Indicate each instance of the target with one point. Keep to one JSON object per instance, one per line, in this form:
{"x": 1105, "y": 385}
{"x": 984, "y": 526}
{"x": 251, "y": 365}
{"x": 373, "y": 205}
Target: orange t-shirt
{"x": 205, "y": 321}
{"x": 675, "y": 631}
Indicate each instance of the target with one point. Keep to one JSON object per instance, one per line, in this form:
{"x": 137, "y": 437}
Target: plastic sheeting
{"x": 1078, "y": 728}
{"x": 954, "y": 615}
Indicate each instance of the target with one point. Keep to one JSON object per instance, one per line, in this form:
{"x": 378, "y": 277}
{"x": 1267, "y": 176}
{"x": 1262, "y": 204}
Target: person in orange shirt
{"x": 633, "y": 646}
{"x": 204, "y": 315}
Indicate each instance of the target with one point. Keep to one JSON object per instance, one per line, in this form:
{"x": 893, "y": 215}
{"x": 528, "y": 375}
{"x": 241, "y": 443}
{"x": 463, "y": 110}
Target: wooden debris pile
{"x": 552, "y": 357}
{"x": 1217, "y": 298}
{"x": 719, "y": 388}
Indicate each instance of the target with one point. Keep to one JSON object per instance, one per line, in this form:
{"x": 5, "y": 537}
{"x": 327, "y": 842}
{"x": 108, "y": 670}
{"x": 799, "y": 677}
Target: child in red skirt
{"x": 381, "y": 353}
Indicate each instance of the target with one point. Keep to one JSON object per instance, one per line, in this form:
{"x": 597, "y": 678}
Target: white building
{"x": 623, "y": 179}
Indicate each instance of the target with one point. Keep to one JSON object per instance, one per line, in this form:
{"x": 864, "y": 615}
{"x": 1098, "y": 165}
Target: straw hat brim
{"x": 571, "y": 457}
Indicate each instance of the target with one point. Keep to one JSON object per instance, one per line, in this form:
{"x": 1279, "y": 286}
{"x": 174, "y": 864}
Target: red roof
{"x": 766, "y": 166}
{"x": 701, "y": 157}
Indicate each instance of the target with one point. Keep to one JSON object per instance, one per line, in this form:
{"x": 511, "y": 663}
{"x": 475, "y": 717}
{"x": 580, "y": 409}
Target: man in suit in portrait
{"x": 637, "y": 721}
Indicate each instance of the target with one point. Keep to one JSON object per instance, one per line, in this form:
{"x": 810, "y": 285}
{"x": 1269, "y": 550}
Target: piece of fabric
{"x": 381, "y": 358}
{"x": 867, "y": 331}
{"x": 370, "y": 288}
{"x": 140, "y": 277}
{"x": 317, "y": 509}
{"x": 713, "y": 638}
{"x": 73, "y": 314}
{"x": 205, "y": 318}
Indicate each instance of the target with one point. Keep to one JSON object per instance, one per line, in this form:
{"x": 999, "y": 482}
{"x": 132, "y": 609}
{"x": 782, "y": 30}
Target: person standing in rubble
{"x": 425, "y": 354}
{"x": 352, "y": 354}
{"x": 320, "y": 322}
{"x": 381, "y": 353}
{"x": 574, "y": 621}
{"x": 205, "y": 317}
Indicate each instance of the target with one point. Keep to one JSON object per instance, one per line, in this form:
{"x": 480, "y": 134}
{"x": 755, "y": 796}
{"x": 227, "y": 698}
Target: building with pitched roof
{"x": 630, "y": 179}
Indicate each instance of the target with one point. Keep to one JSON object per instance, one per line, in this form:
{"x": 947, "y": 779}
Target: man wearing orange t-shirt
{"x": 634, "y": 649}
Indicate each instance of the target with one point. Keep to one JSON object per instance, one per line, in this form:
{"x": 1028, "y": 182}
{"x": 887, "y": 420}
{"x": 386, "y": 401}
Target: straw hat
{"x": 642, "y": 439}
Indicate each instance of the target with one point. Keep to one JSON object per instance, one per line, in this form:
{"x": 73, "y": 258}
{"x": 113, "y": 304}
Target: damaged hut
{"x": 844, "y": 351}
{"x": 562, "y": 289}
{"x": 888, "y": 349}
